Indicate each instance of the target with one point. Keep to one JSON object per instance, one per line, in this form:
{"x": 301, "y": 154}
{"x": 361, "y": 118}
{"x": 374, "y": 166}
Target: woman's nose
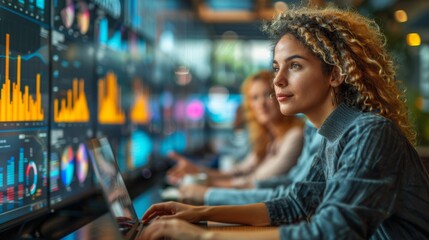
{"x": 279, "y": 80}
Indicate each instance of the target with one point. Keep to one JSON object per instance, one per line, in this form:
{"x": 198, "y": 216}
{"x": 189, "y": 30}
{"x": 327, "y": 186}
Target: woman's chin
{"x": 287, "y": 111}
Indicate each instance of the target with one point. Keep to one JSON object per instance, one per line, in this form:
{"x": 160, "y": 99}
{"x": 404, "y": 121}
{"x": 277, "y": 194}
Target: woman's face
{"x": 300, "y": 84}
{"x": 264, "y": 108}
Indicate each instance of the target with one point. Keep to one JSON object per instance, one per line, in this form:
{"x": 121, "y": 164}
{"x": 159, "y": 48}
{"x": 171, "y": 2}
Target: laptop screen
{"x": 110, "y": 179}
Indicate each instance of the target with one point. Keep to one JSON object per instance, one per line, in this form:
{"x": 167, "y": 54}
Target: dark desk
{"x": 102, "y": 228}
{"x": 224, "y": 227}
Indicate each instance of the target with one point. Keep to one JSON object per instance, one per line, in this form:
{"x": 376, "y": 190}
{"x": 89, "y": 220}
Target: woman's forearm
{"x": 216, "y": 174}
{"x": 251, "y": 214}
{"x": 242, "y": 182}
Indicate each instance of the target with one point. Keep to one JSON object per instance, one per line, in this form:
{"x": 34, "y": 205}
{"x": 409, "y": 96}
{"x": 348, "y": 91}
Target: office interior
{"x": 152, "y": 77}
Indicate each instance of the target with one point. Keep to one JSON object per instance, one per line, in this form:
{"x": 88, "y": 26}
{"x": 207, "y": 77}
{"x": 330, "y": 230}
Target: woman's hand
{"x": 183, "y": 166}
{"x": 193, "y": 194}
{"x": 170, "y": 210}
{"x": 174, "y": 229}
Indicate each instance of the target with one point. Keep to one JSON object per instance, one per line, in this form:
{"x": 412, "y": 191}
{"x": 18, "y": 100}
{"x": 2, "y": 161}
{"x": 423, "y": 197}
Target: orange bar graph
{"x": 109, "y": 99}
{"x": 75, "y": 107}
{"x": 16, "y": 106}
{"x": 140, "y": 110}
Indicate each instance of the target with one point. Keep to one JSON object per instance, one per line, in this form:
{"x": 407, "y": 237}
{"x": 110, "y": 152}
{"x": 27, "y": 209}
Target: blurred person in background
{"x": 264, "y": 190}
{"x": 276, "y": 141}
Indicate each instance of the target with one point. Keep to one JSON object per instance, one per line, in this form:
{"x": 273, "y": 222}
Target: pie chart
{"x": 31, "y": 176}
{"x": 67, "y": 14}
{"x": 83, "y": 18}
{"x": 67, "y": 166}
{"x": 81, "y": 163}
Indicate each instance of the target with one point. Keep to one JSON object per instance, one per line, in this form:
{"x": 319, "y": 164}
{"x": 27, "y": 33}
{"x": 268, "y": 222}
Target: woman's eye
{"x": 275, "y": 69}
{"x": 295, "y": 66}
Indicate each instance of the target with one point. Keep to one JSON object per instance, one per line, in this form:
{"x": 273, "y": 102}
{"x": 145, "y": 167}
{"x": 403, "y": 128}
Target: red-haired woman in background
{"x": 276, "y": 140}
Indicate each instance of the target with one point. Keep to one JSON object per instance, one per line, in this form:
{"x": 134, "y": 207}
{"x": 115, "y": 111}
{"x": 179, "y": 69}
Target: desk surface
{"x": 225, "y": 227}
{"x": 104, "y": 228}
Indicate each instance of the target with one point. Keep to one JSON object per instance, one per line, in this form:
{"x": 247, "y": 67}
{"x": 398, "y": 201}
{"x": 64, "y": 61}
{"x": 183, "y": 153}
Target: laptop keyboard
{"x": 135, "y": 231}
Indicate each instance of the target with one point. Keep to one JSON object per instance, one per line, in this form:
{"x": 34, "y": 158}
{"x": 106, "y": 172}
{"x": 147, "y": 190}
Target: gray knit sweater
{"x": 366, "y": 182}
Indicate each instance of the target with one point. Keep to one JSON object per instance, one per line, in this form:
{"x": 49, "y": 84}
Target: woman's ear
{"x": 336, "y": 78}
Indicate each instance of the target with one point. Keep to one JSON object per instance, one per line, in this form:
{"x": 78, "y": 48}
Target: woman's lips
{"x": 281, "y": 97}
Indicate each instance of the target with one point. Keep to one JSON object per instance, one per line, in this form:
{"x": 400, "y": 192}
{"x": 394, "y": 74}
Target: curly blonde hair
{"x": 353, "y": 47}
{"x": 259, "y": 135}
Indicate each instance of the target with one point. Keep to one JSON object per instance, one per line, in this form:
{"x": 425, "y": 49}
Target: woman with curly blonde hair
{"x": 367, "y": 181}
{"x": 276, "y": 142}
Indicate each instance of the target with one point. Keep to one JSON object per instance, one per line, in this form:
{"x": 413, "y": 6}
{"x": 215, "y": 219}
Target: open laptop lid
{"x": 110, "y": 179}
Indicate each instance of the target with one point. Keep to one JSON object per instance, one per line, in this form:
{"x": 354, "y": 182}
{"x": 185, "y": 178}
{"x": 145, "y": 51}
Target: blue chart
{"x": 110, "y": 37}
{"x": 175, "y": 142}
{"x": 17, "y": 175}
{"x": 67, "y": 166}
{"x": 23, "y": 173}
{"x": 54, "y": 172}
{"x": 10, "y": 182}
{"x": 141, "y": 147}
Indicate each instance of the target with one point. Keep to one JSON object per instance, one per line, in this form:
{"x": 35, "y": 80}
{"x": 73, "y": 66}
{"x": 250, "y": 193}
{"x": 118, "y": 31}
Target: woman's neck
{"x": 319, "y": 116}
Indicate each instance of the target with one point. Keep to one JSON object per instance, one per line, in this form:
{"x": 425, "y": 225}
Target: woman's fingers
{"x": 154, "y": 231}
{"x": 172, "y": 228}
{"x": 158, "y": 209}
{"x": 155, "y": 215}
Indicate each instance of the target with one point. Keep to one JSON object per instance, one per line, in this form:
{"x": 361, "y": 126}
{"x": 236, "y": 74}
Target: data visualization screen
{"x": 70, "y": 171}
{"x": 113, "y": 84}
{"x": 24, "y": 72}
{"x": 73, "y": 101}
{"x": 23, "y": 173}
{"x": 140, "y": 144}
{"x": 112, "y": 69}
{"x": 24, "y": 82}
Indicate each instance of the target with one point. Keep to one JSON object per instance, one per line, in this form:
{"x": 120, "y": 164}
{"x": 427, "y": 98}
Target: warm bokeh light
{"x": 401, "y": 16}
{"x": 183, "y": 76}
{"x": 280, "y": 6}
{"x": 413, "y": 39}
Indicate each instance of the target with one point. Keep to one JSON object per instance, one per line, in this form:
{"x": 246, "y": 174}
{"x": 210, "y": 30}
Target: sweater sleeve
{"x": 301, "y": 198}
{"x": 223, "y": 196}
{"x": 360, "y": 192}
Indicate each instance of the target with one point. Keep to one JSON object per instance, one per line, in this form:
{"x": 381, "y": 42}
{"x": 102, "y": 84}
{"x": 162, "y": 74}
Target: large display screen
{"x": 24, "y": 81}
{"x": 73, "y": 101}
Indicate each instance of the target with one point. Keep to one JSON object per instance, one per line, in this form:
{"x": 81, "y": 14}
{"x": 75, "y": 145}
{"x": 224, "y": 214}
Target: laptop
{"x": 113, "y": 188}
